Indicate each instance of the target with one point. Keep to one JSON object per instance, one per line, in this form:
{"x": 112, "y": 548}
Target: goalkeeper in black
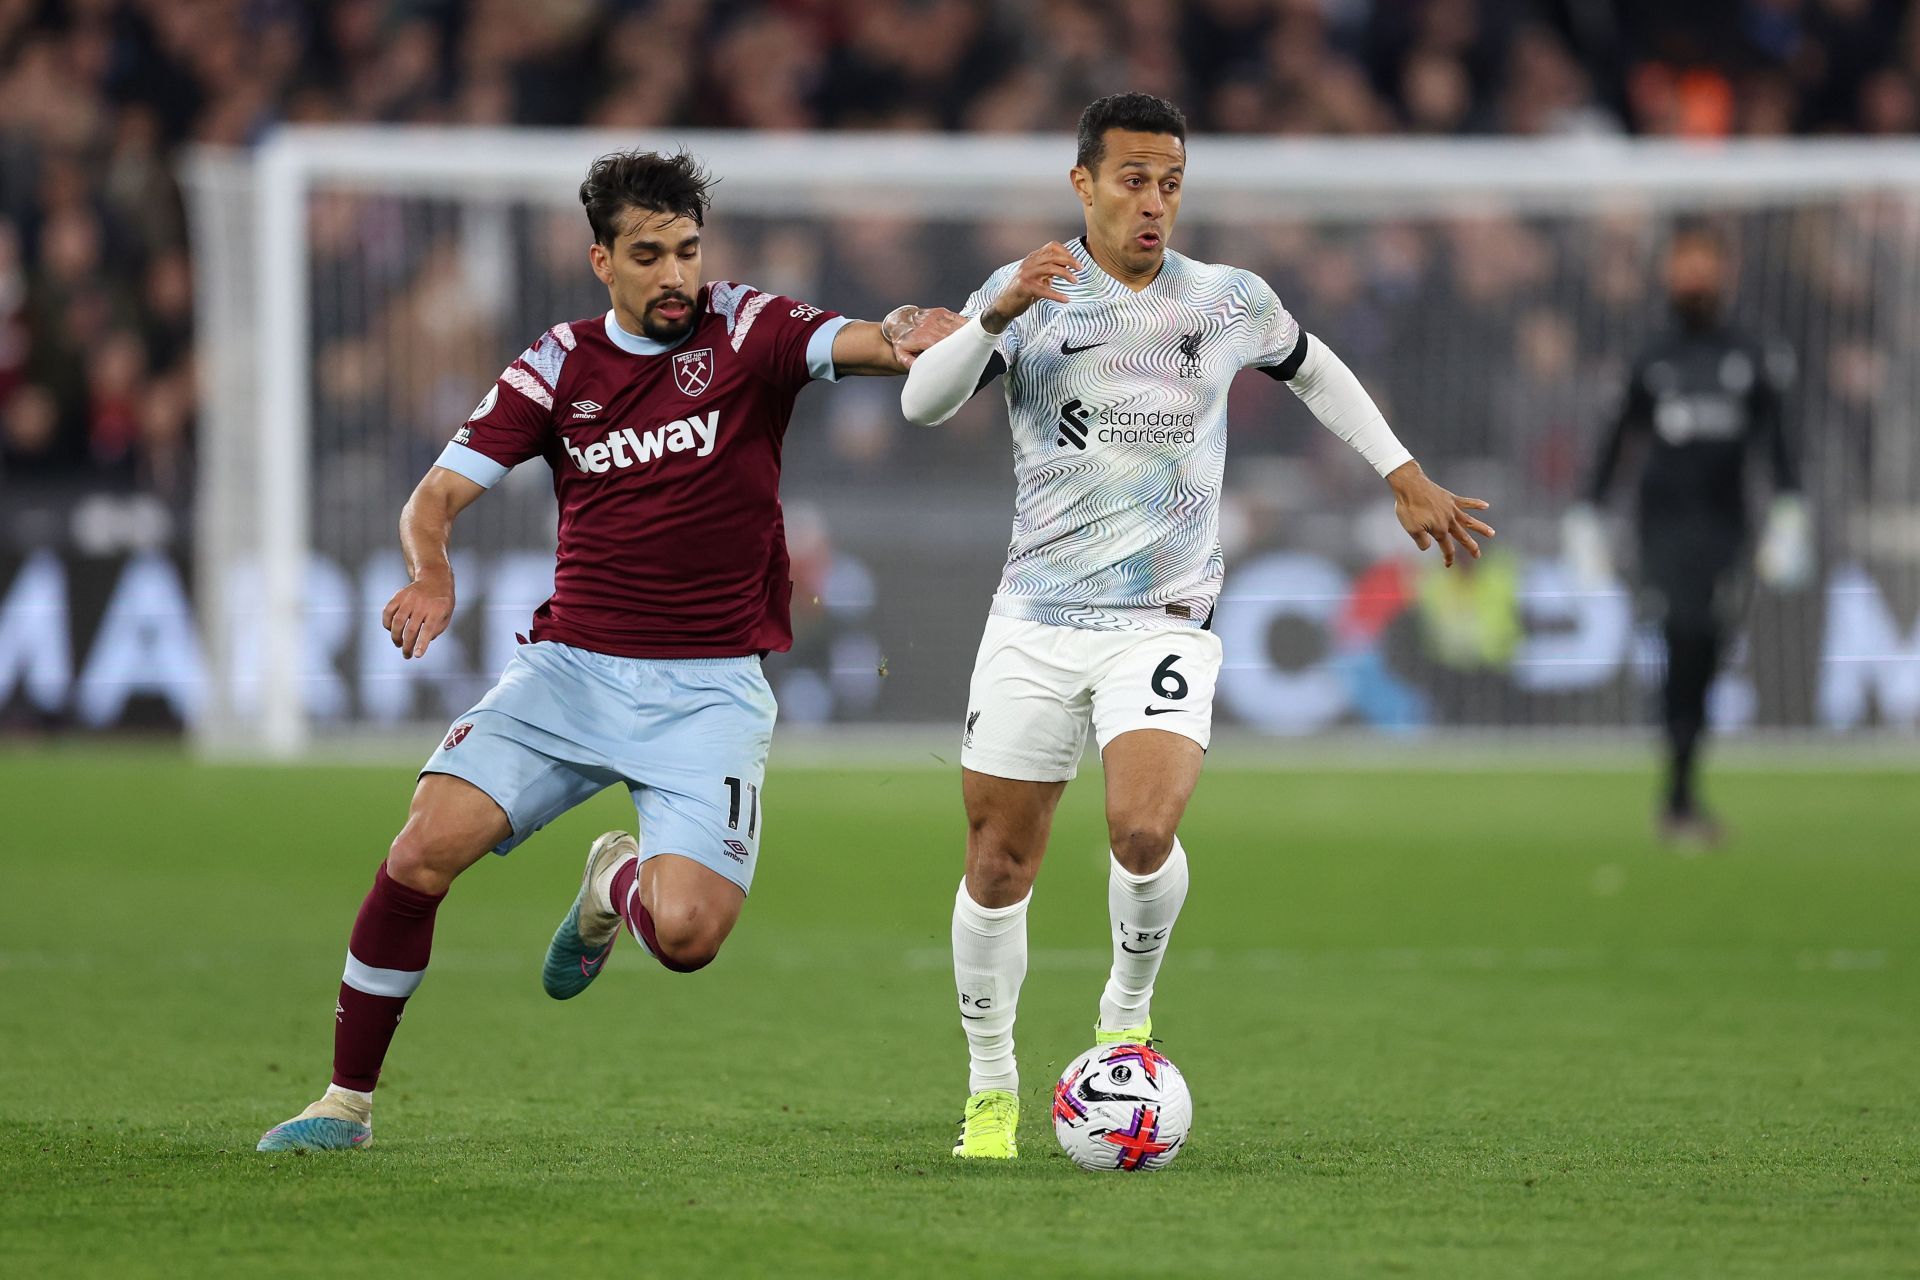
{"x": 1703, "y": 402}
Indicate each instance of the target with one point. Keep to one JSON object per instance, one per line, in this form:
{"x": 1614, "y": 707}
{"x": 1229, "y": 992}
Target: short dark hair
{"x": 1699, "y": 230}
{"x": 1135, "y": 112}
{"x": 623, "y": 180}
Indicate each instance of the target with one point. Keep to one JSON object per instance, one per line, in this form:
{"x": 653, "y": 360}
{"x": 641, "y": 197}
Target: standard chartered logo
{"x": 1073, "y": 423}
{"x": 1113, "y": 424}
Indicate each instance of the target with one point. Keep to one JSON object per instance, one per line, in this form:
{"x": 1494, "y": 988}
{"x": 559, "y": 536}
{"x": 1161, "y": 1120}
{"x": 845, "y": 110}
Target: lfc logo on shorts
{"x": 693, "y": 371}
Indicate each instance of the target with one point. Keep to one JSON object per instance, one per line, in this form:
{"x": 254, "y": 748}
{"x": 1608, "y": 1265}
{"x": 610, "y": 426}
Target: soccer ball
{"x": 1122, "y": 1106}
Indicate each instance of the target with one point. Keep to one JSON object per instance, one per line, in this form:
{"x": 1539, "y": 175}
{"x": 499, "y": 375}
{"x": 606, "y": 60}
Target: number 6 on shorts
{"x": 1168, "y": 683}
{"x": 1178, "y": 670}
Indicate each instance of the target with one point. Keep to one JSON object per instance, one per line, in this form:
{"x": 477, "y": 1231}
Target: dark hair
{"x": 1136, "y": 112}
{"x": 1699, "y": 230}
{"x": 623, "y": 180}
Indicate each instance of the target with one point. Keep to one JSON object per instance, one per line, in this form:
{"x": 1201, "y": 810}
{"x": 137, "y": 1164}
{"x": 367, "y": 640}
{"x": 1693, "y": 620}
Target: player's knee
{"x": 998, "y": 844}
{"x": 999, "y": 866}
{"x": 426, "y": 857}
{"x": 995, "y": 885}
{"x": 1141, "y": 846}
{"x": 687, "y": 938}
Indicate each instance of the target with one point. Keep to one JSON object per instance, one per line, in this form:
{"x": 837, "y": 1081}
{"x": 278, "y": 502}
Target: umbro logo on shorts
{"x": 736, "y": 850}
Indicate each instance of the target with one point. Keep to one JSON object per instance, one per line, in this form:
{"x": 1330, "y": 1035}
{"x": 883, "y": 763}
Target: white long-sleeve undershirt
{"x": 948, "y": 373}
{"x": 1327, "y": 387}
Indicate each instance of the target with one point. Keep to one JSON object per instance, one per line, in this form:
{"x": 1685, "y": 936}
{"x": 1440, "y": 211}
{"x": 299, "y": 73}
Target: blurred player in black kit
{"x": 1701, "y": 400}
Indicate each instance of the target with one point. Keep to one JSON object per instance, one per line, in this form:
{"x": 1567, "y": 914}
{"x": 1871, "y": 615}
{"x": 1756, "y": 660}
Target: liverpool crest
{"x": 1190, "y": 354}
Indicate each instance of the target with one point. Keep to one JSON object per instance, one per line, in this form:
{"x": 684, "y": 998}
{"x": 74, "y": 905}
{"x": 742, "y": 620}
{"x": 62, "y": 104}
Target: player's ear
{"x": 1082, "y": 179}
{"x": 602, "y": 262}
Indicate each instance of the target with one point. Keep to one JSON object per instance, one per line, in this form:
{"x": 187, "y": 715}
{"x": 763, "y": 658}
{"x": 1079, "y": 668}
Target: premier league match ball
{"x": 1122, "y": 1107}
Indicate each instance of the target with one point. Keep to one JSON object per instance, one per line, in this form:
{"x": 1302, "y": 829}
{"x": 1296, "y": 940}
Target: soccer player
{"x": 1118, "y": 353}
{"x": 662, "y": 422}
{"x": 1701, "y": 400}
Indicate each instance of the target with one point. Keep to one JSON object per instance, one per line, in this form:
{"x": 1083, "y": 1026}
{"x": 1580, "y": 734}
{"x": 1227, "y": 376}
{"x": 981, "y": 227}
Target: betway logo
{"x": 629, "y": 448}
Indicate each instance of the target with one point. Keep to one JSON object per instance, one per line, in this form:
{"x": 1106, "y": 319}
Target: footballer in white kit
{"x": 1118, "y": 404}
{"x": 1117, "y": 355}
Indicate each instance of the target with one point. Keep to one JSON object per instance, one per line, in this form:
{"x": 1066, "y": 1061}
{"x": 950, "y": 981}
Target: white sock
{"x": 601, "y": 895}
{"x": 1142, "y": 910}
{"x": 358, "y": 1102}
{"x": 989, "y": 963}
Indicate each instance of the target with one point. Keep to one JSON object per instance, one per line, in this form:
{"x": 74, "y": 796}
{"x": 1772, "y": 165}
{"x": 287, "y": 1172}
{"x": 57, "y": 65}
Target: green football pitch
{"x": 1437, "y": 1024}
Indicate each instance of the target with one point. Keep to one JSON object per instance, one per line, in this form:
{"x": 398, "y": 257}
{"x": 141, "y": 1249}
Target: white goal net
{"x": 360, "y": 288}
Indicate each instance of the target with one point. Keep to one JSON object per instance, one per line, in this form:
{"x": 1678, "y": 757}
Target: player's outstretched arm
{"x": 943, "y": 379}
{"x": 863, "y": 348}
{"x": 1429, "y": 513}
{"x": 421, "y": 610}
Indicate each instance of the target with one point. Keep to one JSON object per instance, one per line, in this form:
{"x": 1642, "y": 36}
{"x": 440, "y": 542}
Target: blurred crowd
{"x": 97, "y": 97}
{"x": 1499, "y": 341}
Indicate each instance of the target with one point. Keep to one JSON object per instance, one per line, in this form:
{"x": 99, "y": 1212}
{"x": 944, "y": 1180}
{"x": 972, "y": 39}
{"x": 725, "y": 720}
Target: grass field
{"x": 1465, "y": 1024}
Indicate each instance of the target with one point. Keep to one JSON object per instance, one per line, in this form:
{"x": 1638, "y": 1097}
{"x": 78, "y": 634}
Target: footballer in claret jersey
{"x": 662, "y": 422}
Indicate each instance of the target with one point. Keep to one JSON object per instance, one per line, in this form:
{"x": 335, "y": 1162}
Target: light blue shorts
{"x": 688, "y": 737}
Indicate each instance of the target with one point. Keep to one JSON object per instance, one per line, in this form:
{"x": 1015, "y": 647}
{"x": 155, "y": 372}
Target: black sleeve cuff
{"x": 996, "y": 365}
{"x": 1285, "y": 370}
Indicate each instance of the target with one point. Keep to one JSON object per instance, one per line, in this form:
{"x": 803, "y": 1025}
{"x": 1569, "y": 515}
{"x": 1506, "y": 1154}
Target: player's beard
{"x": 1697, "y": 309}
{"x": 654, "y": 326}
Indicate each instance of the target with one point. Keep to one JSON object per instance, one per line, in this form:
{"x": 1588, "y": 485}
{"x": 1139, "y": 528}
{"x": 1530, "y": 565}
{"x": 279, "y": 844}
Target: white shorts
{"x": 1037, "y": 687}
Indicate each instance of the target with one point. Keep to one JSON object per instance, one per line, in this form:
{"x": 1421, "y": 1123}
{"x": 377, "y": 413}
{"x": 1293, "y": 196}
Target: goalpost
{"x": 358, "y": 289}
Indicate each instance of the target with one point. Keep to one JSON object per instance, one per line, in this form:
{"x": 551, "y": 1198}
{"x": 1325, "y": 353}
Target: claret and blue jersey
{"x": 666, "y": 469}
{"x": 671, "y": 573}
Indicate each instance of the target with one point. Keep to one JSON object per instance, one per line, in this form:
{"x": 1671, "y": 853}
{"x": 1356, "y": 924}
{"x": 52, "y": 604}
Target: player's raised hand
{"x": 1431, "y": 514}
{"x": 911, "y": 330}
{"x": 418, "y": 613}
{"x": 1032, "y": 282}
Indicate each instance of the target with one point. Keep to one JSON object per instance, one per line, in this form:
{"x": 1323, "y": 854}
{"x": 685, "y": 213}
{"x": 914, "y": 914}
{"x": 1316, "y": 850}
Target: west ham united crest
{"x": 693, "y": 371}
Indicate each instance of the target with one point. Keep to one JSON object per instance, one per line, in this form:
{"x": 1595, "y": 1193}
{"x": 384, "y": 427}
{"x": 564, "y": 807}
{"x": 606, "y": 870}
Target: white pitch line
{"x": 1091, "y": 960}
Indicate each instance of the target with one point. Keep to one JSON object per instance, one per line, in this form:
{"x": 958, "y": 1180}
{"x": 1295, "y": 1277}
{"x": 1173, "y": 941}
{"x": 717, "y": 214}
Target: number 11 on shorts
{"x": 752, "y": 792}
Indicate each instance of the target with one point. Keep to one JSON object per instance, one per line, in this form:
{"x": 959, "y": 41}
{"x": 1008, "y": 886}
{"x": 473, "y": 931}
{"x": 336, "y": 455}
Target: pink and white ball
{"x": 1122, "y": 1108}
